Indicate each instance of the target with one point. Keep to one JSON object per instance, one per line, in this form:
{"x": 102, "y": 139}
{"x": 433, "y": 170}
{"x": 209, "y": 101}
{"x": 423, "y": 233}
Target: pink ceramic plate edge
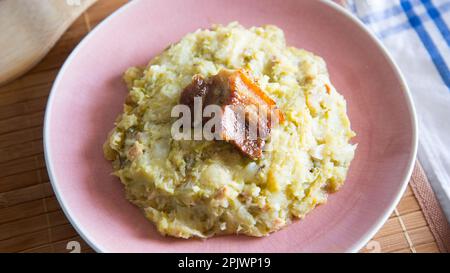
{"x": 370, "y": 233}
{"x": 354, "y": 248}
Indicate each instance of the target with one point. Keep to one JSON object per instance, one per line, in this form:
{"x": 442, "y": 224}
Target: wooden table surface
{"x": 31, "y": 219}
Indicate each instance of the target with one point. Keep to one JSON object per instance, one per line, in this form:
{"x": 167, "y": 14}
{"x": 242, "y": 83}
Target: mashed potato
{"x": 204, "y": 188}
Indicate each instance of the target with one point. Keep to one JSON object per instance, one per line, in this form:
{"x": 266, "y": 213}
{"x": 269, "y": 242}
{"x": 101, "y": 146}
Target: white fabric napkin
{"x": 416, "y": 33}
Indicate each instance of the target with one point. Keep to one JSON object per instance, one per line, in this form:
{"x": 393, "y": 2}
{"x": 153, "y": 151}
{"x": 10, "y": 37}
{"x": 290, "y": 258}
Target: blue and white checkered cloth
{"x": 416, "y": 32}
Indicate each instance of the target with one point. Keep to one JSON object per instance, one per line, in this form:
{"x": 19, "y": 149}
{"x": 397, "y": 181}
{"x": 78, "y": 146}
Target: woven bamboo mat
{"x": 30, "y": 217}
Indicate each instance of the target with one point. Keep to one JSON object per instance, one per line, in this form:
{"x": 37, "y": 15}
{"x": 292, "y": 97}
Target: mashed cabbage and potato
{"x": 204, "y": 188}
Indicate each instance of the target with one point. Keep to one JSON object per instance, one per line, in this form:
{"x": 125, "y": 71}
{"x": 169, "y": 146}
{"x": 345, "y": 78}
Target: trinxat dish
{"x": 204, "y": 188}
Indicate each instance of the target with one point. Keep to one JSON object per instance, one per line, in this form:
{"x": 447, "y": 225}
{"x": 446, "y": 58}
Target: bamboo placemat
{"x": 30, "y": 217}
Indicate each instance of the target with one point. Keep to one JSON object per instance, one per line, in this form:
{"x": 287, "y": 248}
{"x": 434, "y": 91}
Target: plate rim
{"x": 84, "y": 234}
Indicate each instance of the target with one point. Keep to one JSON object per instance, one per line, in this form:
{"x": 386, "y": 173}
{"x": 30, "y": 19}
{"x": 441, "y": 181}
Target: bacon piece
{"x": 247, "y": 112}
{"x": 197, "y": 88}
{"x": 328, "y": 88}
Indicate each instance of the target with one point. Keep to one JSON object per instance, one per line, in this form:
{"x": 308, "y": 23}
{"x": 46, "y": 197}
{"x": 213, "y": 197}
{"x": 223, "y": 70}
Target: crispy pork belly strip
{"x": 245, "y": 107}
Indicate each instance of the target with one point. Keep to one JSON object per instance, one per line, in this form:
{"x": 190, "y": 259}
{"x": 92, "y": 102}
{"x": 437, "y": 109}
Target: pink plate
{"x": 88, "y": 95}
